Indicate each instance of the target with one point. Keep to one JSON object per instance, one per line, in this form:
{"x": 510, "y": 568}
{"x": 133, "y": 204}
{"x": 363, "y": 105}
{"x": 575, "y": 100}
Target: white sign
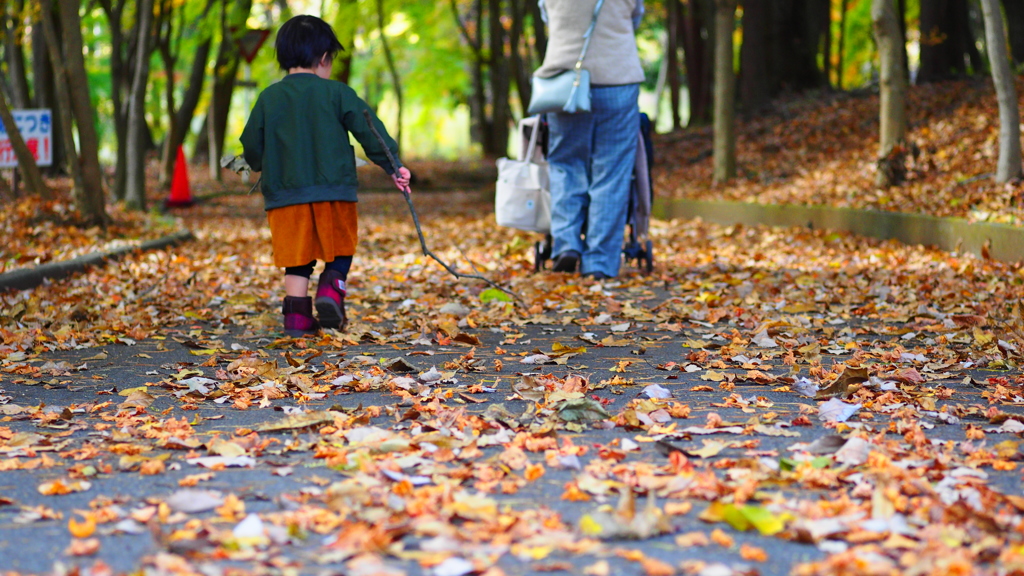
{"x": 36, "y": 128}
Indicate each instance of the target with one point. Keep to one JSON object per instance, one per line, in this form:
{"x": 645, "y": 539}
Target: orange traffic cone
{"x": 181, "y": 193}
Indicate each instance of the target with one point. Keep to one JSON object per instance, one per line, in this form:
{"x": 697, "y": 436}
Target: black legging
{"x": 341, "y": 264}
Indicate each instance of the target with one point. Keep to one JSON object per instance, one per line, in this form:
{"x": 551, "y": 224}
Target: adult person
{"x": 591, "y": 155}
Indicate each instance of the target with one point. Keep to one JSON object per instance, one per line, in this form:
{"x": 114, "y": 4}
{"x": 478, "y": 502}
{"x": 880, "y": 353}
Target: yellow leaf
{"x": 589, "y": 526}
{"x": 713, "y": 376}
{"x": 129, "y": 391}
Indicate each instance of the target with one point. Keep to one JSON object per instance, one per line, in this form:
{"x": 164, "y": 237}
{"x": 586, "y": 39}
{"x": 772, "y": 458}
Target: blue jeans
{"x": 591, "y": 158}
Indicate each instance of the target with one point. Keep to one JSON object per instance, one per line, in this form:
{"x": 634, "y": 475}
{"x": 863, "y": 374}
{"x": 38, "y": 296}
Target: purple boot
{"x": 298, "y": 317}
{"x": 330, "y": 300}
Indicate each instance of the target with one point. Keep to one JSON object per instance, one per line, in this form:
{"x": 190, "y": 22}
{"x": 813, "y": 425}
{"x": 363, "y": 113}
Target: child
{"x": 297, "y": 135}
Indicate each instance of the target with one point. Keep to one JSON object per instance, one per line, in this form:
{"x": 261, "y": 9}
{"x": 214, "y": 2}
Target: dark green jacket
{"x": 297, "y": 136}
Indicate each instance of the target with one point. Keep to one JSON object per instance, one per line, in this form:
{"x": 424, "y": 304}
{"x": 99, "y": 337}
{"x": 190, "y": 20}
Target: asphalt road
{"x": 53, "y": 421}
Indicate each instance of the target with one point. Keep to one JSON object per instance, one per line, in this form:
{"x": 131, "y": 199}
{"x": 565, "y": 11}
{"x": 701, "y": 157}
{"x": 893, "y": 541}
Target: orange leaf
{"x": 753, "y": 553}
{"x": 534, "y": 471}
{"x": 574, "y": 494}
{"x": 655, "y": 567}
{"x": 718, "y": 536}
{"x": 83, "y": 547}
{"x": 82, "y": 529}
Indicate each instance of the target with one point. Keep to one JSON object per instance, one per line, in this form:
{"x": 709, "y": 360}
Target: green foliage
{"x": 433, "y": 60}
{"x": 859, "y": 64}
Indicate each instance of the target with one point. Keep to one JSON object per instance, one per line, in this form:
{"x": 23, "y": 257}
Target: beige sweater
{"x": 611, "y": 59}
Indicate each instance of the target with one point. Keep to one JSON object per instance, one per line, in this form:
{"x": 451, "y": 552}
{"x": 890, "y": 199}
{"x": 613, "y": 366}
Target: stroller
{"x": 638, "y": 248}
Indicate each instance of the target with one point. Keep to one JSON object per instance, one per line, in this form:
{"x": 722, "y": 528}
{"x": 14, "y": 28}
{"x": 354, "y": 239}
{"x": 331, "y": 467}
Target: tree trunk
{"x": 672, "y": 23}
{"x": 181, "y": 117}
{"x": 396, "y": 81}
{"x": 695, "y": 33}
{"x": 93, "y": 202}
{"x": 901, "y": 18}
{"x": 497, "y": 144}
{"x": 190, "y": 100}
{"x": 725, "y": 92}
{"x": 225, "y": 71}
{"x": 14, "y": 53}
{"x": 164, "y": 38}
{"x": 520, "y": 68}
{"x": 756, "y": 87}
{"x": 796, "y": 35}
{"x": 346, "y": 21}
{"x": 1009, "y": 166}
{"x": 476, "y": 97}
{"x": 1015, "y": 26}
{"x": 26, "y": 161}
{"x": 118, "y": 85}
{"x": 947, "y": 44}
{"x": 135, "y": 192}
{"x": 840, "y": 57}
{"x": 540, "y": 34}
{"x": 64, "y": 108}
{"x": 826, "y": 50}
{"x": 43, "y": 79}
{"x": 893, "y": 85}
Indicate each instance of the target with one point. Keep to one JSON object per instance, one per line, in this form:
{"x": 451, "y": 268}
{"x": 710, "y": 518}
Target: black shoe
{"x": 597, "y": 275}
{"x": 567, "y": 261}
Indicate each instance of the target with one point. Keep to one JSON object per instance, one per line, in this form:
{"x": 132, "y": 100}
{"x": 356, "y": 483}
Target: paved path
{"x": 769, "y": 401}
{"x": 416, "y": 468}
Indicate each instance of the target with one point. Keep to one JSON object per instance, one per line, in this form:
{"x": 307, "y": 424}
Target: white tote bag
{"x": 522, "y": 197}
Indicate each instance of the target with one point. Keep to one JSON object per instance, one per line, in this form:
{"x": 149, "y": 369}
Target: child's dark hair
{"x": 303, "y": 40}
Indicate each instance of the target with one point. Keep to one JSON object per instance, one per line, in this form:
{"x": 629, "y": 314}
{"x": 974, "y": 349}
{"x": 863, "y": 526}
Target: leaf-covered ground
{"x": 769, "y": 401}
{"x": 820, "y": 149}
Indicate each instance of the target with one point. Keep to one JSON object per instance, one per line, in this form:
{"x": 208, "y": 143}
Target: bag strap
{"x": 533, "y": 142}
{"x": 570, "y": 104}
{"x": 587, "y": 35}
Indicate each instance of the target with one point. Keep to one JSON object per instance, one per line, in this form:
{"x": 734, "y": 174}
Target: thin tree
{"x": 672, "y": 23}
{"x": 842, "y": 44}
{"x": 225, "y": 70}
{"x": 1009, "y": 166}
{"x": 396, "y": 81}
{"x": 698, "y": 55}
{"x": 45, "y": 96}
{"x": 14, "y": 54}
{"x": 93, "y": 207}
{"x": 91, "y": 203}
{"x": 724, "y": 159}
{"x": 1015, "y": 28}
{"x": 477, "y": 99}
{"x": 499, "y": 81}
{"x": 63, "y": 110}
{"x": 168, "y": 44}
{"x": 119, "y": 84}
{"x": 26, "y": 161}
{"x": 893, "y": 87}
{"x": 518, "y": 60}
{"x": 135, "y": 192}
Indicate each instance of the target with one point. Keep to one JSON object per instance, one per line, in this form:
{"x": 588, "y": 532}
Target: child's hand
{"x": 402, "y": 178}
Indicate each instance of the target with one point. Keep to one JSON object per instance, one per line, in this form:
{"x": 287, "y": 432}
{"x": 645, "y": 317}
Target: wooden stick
{"x": 416, "y": 220}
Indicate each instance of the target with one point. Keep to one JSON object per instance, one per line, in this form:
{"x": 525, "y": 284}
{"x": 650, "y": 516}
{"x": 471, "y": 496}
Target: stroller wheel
{"x": 648, "y": 257}
{"x": 542, "y": 252}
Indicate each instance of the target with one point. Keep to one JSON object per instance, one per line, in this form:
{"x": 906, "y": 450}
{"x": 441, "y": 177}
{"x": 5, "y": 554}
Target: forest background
{"x": 450, "y": 78}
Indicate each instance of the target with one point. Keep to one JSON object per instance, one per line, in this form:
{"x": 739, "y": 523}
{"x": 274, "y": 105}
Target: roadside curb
{"x": 26, "y": 278}
{"x": 1000, "y": 241}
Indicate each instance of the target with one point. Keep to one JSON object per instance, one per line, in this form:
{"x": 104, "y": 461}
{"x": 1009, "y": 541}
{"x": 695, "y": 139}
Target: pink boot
{"x": 298, "y": 317}
{"x": 330, "y": 300}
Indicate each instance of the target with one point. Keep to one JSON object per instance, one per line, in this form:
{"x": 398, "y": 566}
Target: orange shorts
{"x": 302, "y": 233}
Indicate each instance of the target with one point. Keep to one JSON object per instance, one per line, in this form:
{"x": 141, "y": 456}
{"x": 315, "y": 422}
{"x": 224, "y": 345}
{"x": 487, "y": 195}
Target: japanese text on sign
{"x": 36, "y": 129}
